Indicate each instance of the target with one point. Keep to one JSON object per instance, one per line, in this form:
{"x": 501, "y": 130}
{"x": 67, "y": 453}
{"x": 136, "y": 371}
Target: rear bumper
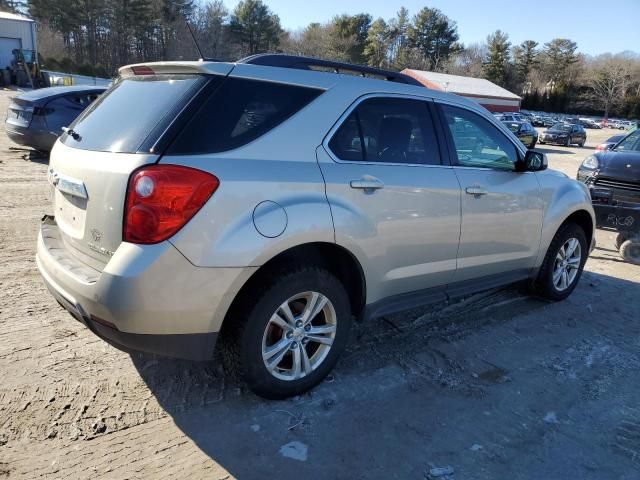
{"x": 147, "y": 298}
{"x": 194, "y": 346}
{"x": 30, "y": 138}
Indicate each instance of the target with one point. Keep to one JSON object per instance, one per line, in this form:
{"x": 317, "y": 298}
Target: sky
{"x": 598, "y": 26}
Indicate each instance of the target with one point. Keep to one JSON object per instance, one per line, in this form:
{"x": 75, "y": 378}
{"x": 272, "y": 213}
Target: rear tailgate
{"x": 91, "y": 164}
{"x": 89, "y": 189}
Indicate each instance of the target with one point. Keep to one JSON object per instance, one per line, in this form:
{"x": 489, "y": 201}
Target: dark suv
{"x": 613, "y": 177}
{"x": 564, "y": 134}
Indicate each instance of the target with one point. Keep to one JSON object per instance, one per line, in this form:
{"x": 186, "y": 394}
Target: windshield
{"x": 630, "y": 144}
{"x": 130, "y": 111}
{"x": 561, "y": 127}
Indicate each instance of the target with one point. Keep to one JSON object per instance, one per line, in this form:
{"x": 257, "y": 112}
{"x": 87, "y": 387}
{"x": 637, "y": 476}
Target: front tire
{"x": 292, "y": 336}
{"x": 563, "y": 264}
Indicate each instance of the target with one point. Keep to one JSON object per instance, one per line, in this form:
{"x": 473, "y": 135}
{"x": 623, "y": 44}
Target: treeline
{"x": 95, "y": 37}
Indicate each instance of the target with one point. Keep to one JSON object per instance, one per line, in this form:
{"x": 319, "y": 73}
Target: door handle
{"x": 476, "y": 190}
{"x": 367, "y": 183}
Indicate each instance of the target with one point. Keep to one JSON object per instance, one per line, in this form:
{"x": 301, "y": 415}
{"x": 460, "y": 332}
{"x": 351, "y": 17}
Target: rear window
{"x": 132, "y": 110}
{"x": 238, "y": 112}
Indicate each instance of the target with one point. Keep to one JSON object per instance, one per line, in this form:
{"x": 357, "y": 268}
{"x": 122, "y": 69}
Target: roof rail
{"x": 309, "y": 63}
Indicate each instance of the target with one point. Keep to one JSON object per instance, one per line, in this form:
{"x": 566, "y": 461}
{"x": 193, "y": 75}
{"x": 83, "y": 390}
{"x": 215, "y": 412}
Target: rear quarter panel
{"x": 224, "y": 234}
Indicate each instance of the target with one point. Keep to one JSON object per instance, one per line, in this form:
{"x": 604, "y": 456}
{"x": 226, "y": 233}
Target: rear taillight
{"x": 161, "y": 199}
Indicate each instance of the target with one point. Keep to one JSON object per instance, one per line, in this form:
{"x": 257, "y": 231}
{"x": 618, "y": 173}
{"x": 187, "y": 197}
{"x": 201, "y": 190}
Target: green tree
{"x": 525, "y": 58}
{"x": 434, "y": 36}
{"x": 376, "y": 47}
{"x": 255, "y": 27}
{"x": 560, "y": 55}
{"x": 398, "y": 39}
{"x": 348, "y": 36}
{"x": 496, "y": 66}
{"x": 211, "y": 26}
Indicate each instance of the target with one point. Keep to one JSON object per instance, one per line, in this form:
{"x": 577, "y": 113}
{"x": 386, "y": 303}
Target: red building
{"x": 491, "y": 96}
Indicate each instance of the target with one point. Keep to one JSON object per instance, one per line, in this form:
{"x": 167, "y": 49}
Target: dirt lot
{"x": 501, "y": 386}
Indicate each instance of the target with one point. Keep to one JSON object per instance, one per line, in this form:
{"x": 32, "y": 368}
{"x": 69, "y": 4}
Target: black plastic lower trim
{"x": 188, "y": 346}
{"x": 430, "y": 296}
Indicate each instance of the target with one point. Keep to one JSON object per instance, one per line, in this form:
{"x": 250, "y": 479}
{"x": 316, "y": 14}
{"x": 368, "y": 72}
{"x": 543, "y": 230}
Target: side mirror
{"x": 534, "y": 161}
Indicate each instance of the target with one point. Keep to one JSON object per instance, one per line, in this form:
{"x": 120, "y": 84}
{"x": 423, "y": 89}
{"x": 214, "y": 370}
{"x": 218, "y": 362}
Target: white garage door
{"x": 6, "y": 47}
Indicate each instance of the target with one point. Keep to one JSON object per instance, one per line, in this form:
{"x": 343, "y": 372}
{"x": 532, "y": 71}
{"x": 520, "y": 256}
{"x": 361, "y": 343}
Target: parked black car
{"x": 524, "y": 131}
{"x": 35, "y": 118}
{"x": 564, "y": 134}
{"x": 613, "y": 177}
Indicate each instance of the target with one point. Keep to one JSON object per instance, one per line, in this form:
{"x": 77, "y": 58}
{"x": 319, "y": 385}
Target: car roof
{"x": 48, "y": 92}
{"x": 324, "y": 79}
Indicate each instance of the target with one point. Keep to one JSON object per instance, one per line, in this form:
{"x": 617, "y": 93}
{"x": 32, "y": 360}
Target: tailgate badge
{"x": 96, "y": 235}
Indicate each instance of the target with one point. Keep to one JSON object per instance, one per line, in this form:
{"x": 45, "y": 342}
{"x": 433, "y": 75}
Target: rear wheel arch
{"x": 331, "y": 257}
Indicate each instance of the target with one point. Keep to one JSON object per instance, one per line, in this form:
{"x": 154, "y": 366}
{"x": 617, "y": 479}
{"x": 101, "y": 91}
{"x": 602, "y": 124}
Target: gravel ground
{"x": 500, "y": 386}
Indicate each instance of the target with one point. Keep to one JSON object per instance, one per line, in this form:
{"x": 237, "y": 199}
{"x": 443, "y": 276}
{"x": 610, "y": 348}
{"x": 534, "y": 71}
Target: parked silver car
{"x": 263, "y": 205}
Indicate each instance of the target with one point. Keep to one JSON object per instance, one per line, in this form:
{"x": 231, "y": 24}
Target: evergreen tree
{"x": 398, "y": 39}
{"x": 497, "y": 64}
{"x": 525, "y": 58}
{"x": 560, "y": 55}
{"x": 376, "y": 47}
{"x": 255, "y": 27}
{"x": 434, "y": 36}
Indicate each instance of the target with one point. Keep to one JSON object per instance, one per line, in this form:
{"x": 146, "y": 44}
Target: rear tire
{"x": 275, "y": 357}
{"x": 561, "y": 269}
{"x": 630, "y": 250}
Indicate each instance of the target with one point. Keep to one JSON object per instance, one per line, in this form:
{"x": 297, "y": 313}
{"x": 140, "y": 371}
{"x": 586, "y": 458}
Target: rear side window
{"x": 123, "y": 118}
{"x": 388, "y": 130}
{"x": 238, "y": 112}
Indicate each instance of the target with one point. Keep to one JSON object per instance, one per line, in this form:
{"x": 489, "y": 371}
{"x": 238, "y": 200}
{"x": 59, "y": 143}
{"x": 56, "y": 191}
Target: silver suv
{"x": 262, "y": 205}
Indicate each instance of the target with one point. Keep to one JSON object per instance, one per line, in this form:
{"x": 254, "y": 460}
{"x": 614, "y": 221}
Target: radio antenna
{"x": 193, "y": 37}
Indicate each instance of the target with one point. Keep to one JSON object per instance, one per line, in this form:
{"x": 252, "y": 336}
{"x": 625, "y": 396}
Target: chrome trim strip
{"x": 66, "y": 184}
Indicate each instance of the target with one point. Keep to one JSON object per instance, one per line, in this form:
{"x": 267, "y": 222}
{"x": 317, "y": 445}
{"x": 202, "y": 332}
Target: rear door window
{"x": 123, "y": 118}
{"x": 388, "y": 130}
{"x": 238, "y": 112}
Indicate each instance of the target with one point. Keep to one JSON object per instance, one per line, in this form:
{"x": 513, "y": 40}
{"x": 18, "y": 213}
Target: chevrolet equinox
{"x": 263, "y": 205}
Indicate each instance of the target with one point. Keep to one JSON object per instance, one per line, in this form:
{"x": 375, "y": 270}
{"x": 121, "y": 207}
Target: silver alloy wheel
{"x": 567, "y": 264}
{"x": 299, "y": 336}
